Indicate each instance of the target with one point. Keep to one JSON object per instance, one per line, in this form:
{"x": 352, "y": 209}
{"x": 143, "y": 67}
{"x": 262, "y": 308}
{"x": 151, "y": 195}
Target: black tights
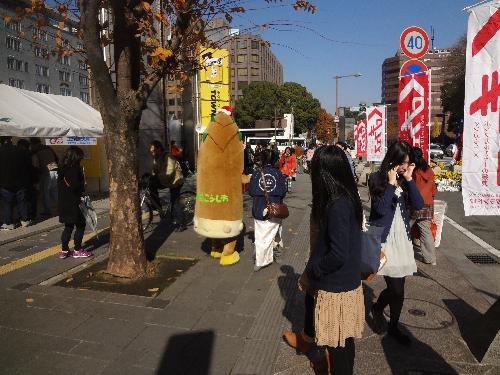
{"x": 78, "y": 237}
{"x": 393, "y": 296}
{"x": 342, "y": 358}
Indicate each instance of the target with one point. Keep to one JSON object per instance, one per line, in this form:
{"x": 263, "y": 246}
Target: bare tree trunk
{"x": 127, "y": 257}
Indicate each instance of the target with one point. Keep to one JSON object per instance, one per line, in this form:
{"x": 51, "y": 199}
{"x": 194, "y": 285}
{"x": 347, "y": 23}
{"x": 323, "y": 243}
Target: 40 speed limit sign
{"x": 414, "y": 42}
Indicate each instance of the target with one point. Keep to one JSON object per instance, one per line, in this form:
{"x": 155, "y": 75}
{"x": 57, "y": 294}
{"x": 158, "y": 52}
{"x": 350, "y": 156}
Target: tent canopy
{"x": 32, "y": 114}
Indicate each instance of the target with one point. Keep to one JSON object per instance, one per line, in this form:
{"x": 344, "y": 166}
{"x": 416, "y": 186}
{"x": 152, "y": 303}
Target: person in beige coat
{"x": 167, "y": 173}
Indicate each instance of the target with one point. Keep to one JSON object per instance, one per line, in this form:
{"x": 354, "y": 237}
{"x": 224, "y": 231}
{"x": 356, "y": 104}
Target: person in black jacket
{"x": 267, "y": 230}
{"x": 15, "y": 182}
{"x": 71, "y": 186}
{"x": 333, "y": 272}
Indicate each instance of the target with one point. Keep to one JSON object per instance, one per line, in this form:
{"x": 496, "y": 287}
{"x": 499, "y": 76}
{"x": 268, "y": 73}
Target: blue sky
{"x": 371, "y": 28}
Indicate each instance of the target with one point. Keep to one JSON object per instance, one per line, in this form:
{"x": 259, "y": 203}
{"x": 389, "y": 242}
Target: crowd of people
{"x": 401, "y": 194}
{"x": 28, "y": 175}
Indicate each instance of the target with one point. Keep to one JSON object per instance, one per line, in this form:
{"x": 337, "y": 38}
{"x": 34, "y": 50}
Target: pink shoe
{"x": 81, "y": 254}
{"x": 64, "y": 254}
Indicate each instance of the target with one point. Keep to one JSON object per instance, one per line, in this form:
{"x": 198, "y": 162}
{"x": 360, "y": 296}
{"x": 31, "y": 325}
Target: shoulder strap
{"x": 264, "y": 181}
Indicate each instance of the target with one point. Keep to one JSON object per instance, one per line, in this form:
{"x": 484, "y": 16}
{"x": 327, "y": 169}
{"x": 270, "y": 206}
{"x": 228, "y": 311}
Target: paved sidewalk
{"x": 215, "y": 320}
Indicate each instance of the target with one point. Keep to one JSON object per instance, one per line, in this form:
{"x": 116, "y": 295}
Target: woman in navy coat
{"x": 393, "y": 192}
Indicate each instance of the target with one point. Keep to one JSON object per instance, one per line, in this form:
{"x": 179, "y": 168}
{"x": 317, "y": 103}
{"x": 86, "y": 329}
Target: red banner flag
{"x": 361, "y": 139}
{"x": 413, "y": 110}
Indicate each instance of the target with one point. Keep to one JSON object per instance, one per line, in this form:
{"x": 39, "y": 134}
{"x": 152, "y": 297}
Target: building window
{"x": 15, "y": 64}
{"x": 84, "y": 80}
{"x": 84, "y": 96}
{"x": 242, "y": 71}
{"x": 65, "y": 76}
{"x": 241, "y": 59}
{"x": 82, "y": 65}
{"x": 18, "y": 83}
{"x": 242, "y": 84}
{"x": 40, "y": 52}
{"x": 241, "y": 44}
{"x": 42, "y": 71}
{"x": 64, "y": 91}
{"x": 255, "y": 58}
{"x": 233, "y": 86}
{"x": 40, "y": 34}
{"x": 255, "y": 71}
{"x": 64, "y": 60}
{"x": 171, "y": 102}
{"x": 179, "y": 114}
{"x": 42, "y": 87}
{"x": 13, "y": 43}
{"x": 13, "y": 26}
{"x": 255, "y": 44}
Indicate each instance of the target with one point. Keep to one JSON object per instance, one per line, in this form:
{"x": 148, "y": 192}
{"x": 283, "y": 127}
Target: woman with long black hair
{"x": 393, "y": 192}
{"x": 71, "y": 186}
{"x": 332, "y": 274}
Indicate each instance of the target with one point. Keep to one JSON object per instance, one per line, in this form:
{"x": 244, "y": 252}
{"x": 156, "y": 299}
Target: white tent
{"x": 32, "y": 114}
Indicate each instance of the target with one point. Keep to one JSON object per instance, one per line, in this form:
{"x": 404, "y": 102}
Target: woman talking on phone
{"x": 393, "y": 192}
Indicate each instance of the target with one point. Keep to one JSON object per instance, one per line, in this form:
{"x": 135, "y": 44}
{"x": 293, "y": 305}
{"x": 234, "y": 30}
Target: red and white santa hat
{"x": 226, "y": 110}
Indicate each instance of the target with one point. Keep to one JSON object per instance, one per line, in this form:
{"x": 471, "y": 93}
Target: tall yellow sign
{"x": 214, "y": 82}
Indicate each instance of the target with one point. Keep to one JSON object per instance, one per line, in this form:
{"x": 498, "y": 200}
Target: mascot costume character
{"x": 219, "y": 198}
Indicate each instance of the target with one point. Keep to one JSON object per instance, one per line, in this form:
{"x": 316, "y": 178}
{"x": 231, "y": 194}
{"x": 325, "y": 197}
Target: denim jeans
{"x": 20, "y": 197}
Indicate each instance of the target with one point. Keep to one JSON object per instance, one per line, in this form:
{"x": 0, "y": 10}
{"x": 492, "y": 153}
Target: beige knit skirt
{"x": 338, "y": 316}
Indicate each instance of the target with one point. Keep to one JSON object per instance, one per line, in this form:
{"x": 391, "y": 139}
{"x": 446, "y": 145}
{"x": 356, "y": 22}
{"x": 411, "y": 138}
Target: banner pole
{"x": 429, "y": 120}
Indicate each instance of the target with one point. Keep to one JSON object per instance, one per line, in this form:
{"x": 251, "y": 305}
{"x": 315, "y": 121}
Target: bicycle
{"x": 149, "y": 204}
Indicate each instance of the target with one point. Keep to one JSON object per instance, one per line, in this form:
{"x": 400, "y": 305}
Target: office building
{"x": 27, "y": 60}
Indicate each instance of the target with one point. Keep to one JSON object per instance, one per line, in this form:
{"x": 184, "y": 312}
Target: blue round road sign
{"x": 412, "y": 67}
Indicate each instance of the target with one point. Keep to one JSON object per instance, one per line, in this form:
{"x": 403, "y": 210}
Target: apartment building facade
{"x": 391, "y": 67}
{"x": 251, "y": 60}
{"x": 27, "y": 60}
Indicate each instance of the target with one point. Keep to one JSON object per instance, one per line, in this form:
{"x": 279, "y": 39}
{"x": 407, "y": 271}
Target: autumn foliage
{"x": 324, "y": 127}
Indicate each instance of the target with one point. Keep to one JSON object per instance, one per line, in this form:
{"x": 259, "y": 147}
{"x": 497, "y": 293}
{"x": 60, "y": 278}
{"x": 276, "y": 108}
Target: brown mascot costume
{"x": 219, "y": 198}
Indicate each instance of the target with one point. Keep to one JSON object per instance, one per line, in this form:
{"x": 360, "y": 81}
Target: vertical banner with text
{"x": 214, "y": 82}
{"x": 413, "y": 110}
{"x": 376, "y": 133}
{"x": 481, "y": 138}
{"x": 360, "y": 138}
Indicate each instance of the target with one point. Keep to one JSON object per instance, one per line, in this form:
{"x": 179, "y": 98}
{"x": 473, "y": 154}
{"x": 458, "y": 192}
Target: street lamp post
{"x": 337, "y": 78}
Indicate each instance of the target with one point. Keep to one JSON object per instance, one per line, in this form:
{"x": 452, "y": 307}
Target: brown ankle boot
{"x": 297, "y": 341}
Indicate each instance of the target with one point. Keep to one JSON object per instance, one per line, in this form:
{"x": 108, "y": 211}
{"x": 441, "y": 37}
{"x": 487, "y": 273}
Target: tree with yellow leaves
{"x": 132, "y": 30}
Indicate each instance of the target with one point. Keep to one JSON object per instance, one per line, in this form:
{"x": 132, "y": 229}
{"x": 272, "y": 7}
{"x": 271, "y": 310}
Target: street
{"x": 215, "y": 320}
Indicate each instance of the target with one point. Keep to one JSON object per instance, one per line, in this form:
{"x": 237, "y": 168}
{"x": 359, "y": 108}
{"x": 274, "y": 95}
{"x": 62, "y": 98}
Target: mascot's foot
{"x": 227, "y": 260}
{"x": 215, "y": 254}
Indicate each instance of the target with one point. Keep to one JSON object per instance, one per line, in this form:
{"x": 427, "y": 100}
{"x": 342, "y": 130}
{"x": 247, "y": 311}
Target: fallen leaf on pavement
{"x": 30, "y": 300}
{"x": 153, "y": 290}
{"x": 69, "y": 280}
{"x": 178, "y": 270}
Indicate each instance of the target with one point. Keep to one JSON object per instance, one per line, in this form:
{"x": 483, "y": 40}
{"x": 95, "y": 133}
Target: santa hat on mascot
{"x": 226, "y": 110}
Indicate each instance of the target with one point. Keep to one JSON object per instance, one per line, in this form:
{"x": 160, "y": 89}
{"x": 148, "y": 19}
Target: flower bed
{"x": 449, "y": 181}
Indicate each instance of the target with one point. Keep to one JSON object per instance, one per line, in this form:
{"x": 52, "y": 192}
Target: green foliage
{"x": 260, "y": 99}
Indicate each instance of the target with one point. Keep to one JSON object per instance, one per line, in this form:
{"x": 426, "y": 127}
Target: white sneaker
{"x": 7, "y": 227}
{"x": 25, "y": 224}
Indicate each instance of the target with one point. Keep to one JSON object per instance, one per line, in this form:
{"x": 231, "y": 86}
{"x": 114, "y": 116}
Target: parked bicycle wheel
{"x": 187, "y": 200}
{"x": 146, "y": 214}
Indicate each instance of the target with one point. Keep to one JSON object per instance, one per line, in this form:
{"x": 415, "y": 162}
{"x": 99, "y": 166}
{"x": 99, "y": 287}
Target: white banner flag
{"x": 481, "y": 144}
{"x": 376, "y": 133}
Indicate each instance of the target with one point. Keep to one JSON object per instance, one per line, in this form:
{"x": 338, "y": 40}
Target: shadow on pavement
{"x": 477, "y": 330}
{"x": 157, "y": 238}
{"x": 418, "y": 358}
{"x": 294, "y": 301}
{"x": 189, "y": 353}
{"x": 206, "y": 245}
